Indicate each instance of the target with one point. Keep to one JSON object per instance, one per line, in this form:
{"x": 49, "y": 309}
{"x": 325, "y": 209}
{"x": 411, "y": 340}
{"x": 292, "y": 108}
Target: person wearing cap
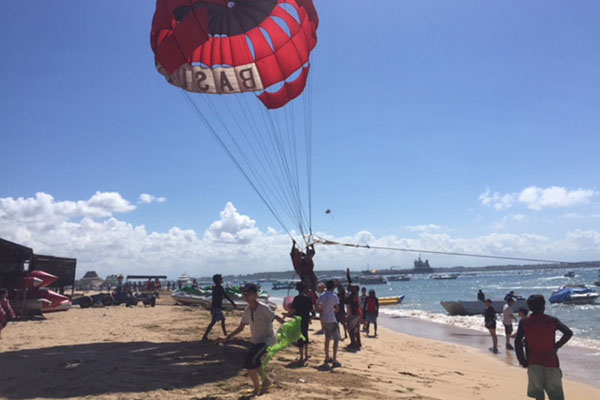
{"x": 216, "y": 307}
{"x": 537, "y": 333}
{"x": 260, "y": 318}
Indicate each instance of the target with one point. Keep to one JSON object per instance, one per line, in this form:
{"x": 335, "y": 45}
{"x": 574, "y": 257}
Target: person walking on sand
{"x": 490, "y": 324}
{"x": 328, "y": 305}
{"x": 6, "y": 311}
{"x": 340, "y": 315}
{"x": 508, "y": 316}
{"x": 260, "y": 318}
{"x": 216, "y": 307}
{"x": 361, "y": 304}
{"x": 302, "y": 306}
{"x": 537, "y": 333}
{"x": 371, "y": 310}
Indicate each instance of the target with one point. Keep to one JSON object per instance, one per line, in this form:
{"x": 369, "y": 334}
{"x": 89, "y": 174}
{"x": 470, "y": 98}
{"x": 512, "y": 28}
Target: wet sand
{"x": 155, "y": 353}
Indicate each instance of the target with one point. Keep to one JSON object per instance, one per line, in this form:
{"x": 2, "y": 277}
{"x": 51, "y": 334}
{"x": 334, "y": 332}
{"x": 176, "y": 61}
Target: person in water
{"x": 6, "y": 311}
{"x": 216, "y": 307}
{"x": 480, "y": 296}
{"x": 302, "y": 306}
{"x": 537, "y": 333}
{"x": 371, "y": 310}
{"x": 260, "y": 318}
{"x": 490, "y": 324}
{"x": 508, "y": 317}
{"x": 328, "y": 305}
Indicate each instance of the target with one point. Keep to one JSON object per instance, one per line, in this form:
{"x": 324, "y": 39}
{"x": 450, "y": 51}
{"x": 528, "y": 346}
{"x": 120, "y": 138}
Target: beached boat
{"x": 199, "y": 297}
{"x": 477, "y": 307}
{"x": 444, "y": 276}
{"x": 398, "y": 278}
{"x": 370, "y": 280}
{"x": 574, "y": 294}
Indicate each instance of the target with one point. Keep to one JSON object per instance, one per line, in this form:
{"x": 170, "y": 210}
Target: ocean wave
{"x": 474, "y": 322}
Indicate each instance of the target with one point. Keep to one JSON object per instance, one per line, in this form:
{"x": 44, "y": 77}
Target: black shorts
{"x": 491, "y": 325}
{"x": 253, "y": 359}
{"x": 508, "y": 329}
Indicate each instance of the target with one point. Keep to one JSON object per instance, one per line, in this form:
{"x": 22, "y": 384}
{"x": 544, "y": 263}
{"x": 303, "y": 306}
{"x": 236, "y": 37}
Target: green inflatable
{"x": 288, "y": 334}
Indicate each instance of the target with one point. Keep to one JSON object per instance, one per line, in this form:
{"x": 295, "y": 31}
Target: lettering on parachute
{"x": 220, "y": 80}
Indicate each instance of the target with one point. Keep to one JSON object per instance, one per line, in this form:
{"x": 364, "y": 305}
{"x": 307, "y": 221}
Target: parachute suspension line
{"x": 308, "y": 130}
{"x": 448, "y": 253}
{"x": 215, "y": 134}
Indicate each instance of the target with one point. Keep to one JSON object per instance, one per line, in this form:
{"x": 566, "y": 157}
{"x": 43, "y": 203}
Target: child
{"x": 6, "y": 311}
{"x": 302, "y": 306}
{"x": 540, "y": 357}
{"x": 371, "y": 310}
{"x": 260, "y": 318}
{"x": 490, "y": 324}
{"x": 216, "y": 308}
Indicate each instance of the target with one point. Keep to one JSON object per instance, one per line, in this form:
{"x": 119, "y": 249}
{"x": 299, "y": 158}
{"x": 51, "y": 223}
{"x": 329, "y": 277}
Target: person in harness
{"x": 304, "y": 265}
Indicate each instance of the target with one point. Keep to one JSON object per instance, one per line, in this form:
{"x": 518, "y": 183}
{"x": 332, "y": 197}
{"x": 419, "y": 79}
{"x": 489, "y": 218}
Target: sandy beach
{"x": 155, "y": 353}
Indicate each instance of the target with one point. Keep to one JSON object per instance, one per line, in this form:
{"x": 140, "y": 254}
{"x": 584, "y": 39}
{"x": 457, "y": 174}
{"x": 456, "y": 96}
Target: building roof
{"x": 91, "y": 275}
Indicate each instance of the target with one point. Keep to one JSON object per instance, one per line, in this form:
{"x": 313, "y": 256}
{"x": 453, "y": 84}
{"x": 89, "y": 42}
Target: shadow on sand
{"x": 104, "y": 368}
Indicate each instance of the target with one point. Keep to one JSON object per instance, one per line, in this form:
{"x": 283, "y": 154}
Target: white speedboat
{"x": 478, "y": 307}
{"x": 444, "y": 276}
{"x": 574, "y": 294}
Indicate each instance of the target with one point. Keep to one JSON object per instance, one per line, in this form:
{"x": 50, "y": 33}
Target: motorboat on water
{"x": 283, "y": 285}
{"x": 398, "y": 278}
{"x": 444, "y": 276}
{"x": 478, "y": 307}
{"x": 570, "y": 274}
{"x": 574, "y": 294}
{"x": 370, "y": 280}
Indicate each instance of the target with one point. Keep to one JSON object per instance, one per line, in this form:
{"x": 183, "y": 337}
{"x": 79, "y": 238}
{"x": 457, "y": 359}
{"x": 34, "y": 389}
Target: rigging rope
{"x": 449, "y": 253}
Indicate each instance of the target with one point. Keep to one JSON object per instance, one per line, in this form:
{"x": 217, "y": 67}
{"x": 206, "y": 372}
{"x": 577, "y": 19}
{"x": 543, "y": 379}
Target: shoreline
{"x": 577, "y": 363}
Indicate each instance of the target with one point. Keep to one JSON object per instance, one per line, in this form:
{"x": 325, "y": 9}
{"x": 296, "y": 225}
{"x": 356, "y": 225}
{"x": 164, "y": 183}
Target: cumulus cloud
{"x": 90, "y": 231}
{"x": 536, "y": 198}
{"x": 423, "y": 228}
{"x": 146, "y": 198}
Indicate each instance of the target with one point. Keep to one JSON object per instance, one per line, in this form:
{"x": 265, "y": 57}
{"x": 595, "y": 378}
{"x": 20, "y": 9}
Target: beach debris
{"x": 302, "y": 380}
{"x": 71, "y": 364}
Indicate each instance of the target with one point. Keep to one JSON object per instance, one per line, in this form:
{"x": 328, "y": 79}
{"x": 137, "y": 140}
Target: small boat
{"x": 570, "y": 274}
{"x": 444, "y": 276}
{"x": 390, "y": 301}
{"x": 478, "y": 307}
{"x": 283, "y": 285}
{"x": 370, "y": 280}
{"x": 398, "y": 278}
{"x": 574, "y": 294}
{"x": 199, "y": 297}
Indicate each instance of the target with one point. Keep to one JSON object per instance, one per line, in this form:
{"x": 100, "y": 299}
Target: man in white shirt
{"x": 507, "y": 319}
{"x": 328, "y": 305}
{"x": 260, "y": 318}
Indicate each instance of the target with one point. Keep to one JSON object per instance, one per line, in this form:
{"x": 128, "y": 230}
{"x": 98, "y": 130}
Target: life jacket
{"x": 372, "y": 305}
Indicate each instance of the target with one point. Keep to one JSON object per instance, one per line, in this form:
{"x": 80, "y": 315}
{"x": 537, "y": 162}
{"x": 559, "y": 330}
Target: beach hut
{"x": 91, "y": 280}
{"x": 14, "y": 259}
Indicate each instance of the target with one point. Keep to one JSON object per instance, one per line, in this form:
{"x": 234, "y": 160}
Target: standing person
{"x": 260, "y": 318}
{"x": 510, "y": 295}
{"x": 340, "y": 315}
{"x": 328, "y": 305}
{"x": 361, "y": 303}
{"x": 371, "y": 310}
{"x": 537, "y": 333}
{"x": 216, "y": 307}
{"x": 302, "y": 306}
{"x": 480, "y": 296}
{"x": 508, "y": 316}
{"x": 353, "y": 313}
{"x": 540, "y": 357}
{"x": 490, "y": 324}
{"x": 6, "y": 311}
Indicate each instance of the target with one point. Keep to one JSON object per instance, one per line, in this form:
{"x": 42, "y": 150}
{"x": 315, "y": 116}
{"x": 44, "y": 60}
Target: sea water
{"x": 423, "y": 297}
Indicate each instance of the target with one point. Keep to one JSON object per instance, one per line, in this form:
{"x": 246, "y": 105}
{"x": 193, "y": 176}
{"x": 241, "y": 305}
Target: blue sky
{"x": 465, "y": 126}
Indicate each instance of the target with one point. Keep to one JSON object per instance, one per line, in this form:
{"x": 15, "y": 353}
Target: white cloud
{"x": 423, "y": 228}
{"x": 536, "y": 198}
{"x": 89, "y": 231}
{"x": 146, "y": 198}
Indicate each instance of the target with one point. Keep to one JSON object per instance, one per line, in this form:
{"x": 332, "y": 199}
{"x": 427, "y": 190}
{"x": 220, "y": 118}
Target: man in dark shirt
{"x": 480, "y": 296}
{"x": 540, "y": 357}
{"x": 216, "y": 308}
{"x": 302, "y": 306}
